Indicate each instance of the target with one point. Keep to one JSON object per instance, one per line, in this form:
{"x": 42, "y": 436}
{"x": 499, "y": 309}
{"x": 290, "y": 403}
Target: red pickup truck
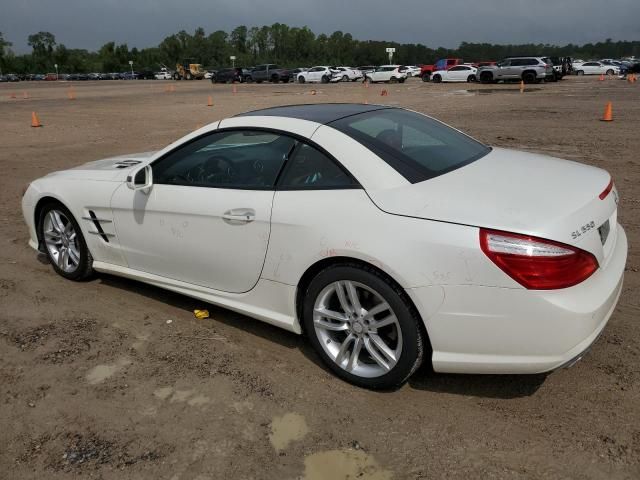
{"x": 442, "y": 64}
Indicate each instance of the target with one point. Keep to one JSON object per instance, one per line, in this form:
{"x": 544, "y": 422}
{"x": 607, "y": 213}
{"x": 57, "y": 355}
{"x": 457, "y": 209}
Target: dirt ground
{"x": 96, "y": 383}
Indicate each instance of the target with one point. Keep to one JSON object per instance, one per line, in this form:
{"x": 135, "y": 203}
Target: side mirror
{"x": 141, "y": 179}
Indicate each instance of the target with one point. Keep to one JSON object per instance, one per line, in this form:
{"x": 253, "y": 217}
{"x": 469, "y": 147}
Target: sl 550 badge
{"x": 583, "y": 229}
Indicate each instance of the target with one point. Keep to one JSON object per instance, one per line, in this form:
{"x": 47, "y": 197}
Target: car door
{"x": 457, "y": 74}
{"x": 206, "y": 219}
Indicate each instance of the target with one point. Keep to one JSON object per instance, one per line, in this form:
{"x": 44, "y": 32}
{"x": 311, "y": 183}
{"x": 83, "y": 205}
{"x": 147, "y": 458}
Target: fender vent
{"x": 96, "y": 223}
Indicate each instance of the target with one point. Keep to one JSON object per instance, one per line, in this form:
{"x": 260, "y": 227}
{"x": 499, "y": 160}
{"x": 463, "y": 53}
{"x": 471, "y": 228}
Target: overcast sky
{"x": 143, "y": 23}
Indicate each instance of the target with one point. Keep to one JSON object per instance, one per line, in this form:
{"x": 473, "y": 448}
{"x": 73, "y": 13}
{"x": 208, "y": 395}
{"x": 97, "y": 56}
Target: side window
{"x": 309, "y": 168}
{"x": 516, "y": 63}
{"x": 243, "y": 159}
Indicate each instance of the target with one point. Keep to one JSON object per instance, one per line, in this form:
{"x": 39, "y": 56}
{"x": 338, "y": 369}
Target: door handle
{"x": 239, "y": 216}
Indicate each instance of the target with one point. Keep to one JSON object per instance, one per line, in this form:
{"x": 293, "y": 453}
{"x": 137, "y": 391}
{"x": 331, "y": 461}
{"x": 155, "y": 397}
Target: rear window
{"x": 416, "y": 146}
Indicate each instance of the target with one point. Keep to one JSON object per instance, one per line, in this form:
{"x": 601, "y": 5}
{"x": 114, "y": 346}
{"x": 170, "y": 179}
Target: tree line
{"x": 277, "y": 43}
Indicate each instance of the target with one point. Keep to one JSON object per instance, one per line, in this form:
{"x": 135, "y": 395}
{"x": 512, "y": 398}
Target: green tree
{"x": 42, "y": 44}
{"x": 4, "y": 51}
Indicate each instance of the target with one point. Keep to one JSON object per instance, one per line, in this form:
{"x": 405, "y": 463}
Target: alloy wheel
{"x": 357, "y": 328}
{"x": 61, "y": 240}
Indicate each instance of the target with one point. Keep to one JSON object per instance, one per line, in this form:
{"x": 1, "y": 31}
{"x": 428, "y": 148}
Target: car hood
{"x": 509, "y": 190}
{"x": 112, "y": 169}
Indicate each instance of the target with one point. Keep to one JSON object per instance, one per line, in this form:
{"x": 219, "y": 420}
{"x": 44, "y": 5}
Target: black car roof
{"x": 320, "y": 112}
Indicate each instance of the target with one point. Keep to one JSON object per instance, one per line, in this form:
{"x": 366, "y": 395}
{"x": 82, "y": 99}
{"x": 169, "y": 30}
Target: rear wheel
{"x": 471, "y": 79}
{"x": 580, "y": 72}
{"x": 188, "y": 76}
{"x": 64, "y": 244}
{"x": 528, "y": 77}
{"x": 324, "y": 79}
{"x": 486, "y": 78}
{"x": 345, "y": 78}
{"x": 362, "y": 326}
{"x": 426, "y": 77}
{"x": 176, "y": 76}
{"x": 436, "y": 78}
{"x": 393, "y": 80}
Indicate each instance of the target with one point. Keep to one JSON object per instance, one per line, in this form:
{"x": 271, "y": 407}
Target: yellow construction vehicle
{"x": 188, "y": 70}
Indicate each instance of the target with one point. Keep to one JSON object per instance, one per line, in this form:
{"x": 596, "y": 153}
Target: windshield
{"x": 416, "y": 146}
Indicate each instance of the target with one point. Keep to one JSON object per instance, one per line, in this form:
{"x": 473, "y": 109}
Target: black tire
{"x": 366, "y": 80}
{"x": 436, "y": 79}
{"x": 324, "y": 79}
{"x": 413, "y": 341}
{"x": 258, "y": 81}
{"x": 529, "y": 77}
{"x": 84, "y": 268}
{"x": 285, "y": 80}
{"x": 393, "y": 80}
{"x": 471, "y": 79}
{"x": 176, "y": 76}
{"x": 486, "y": 77}
{"x": 274, "y": 79}
{"x": 426, "y": 77}
{"x": 188, "y": 76}
{"x": 301, "y": 79}
{"x": 580, "y": 72}
{"x": 610, "y": 72}
{"x": 401, "y": 80}
{"x": 345, "y": 78}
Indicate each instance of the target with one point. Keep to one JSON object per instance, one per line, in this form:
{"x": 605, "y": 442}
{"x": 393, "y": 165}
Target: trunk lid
{"x": 515, "y": 192}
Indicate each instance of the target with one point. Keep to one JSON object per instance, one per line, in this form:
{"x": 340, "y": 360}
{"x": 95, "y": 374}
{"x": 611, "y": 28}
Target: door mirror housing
{"x": 141, "y": 179}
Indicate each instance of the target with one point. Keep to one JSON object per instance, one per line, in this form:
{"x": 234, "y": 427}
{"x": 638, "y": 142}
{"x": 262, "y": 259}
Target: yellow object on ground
{"x": 201, "y": 314}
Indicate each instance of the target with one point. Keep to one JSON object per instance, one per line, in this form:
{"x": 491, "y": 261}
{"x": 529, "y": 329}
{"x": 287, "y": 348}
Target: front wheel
{"x": 426, "y": 77}
{"x": 188, "y": 76}
{"x": 64, "y": 244}
{"x": 301, "y": 79}
{"x": 610, "y": 73}
{"x": 345, "y": 78}
{"x": 363, "y": 326}
{"x": 580, "y": 73}
{"x": 324, "y": 79}
{"x": 471, "y": 79}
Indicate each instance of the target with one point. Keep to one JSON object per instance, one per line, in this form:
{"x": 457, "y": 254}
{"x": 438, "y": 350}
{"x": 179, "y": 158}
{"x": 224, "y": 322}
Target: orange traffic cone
{"x": 25, "y": 95}
{"x": 210, "y": 101}
{"x": 35, "y": 122}
{"x": 71, "y": 94}
{"x": 235, "y": 89}
{"x": 521, "y": 86}
{"x": 383, "y": 93}
{"x": 608, "y": 113}
{"x": 601, "y": 77}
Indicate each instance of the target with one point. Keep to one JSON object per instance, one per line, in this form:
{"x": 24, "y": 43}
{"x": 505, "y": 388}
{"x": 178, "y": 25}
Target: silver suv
{"x": 527, "y": 69}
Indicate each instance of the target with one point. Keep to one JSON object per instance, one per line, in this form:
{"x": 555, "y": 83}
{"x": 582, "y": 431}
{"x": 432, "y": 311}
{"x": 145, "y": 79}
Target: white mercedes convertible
{"x": 387, "y": 237}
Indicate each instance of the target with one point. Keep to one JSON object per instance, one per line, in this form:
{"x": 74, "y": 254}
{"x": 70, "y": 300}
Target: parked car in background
{"x": 228, "y": 75}
{"x": 209, "y": 74}
{"x": 3, "y": 79}
{"x": 94, "y": 76}
{"x": 129, "y": 75}
{"x": 51, "y": 77}
{"x": 597, "y": 68}
{"x": 12, "y": 77}
{"x": 443, "y": 64}
{"x": 366, "y": 69}
{"x": 163, "y": 76}
{"x": 146, "y": 75}
{"x": 320, "y": 74}
{"x": 387, "y": 73}
{"x": 527, "y": 69}
{"x": 270, "y": 72}
{"x": 413, "y": 70}
{"x": 459, "y": 73}
{"x": 622, "y": 66}
{"x": 348, "y": 74}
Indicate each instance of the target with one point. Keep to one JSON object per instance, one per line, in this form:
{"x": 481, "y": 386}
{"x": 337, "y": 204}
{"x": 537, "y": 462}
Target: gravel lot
{"x": 95, "y": 383}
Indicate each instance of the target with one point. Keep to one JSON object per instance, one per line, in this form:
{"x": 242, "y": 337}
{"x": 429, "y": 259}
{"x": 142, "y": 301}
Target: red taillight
{"x": 536, "y": 263}
{"x": 607, "y": 190}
